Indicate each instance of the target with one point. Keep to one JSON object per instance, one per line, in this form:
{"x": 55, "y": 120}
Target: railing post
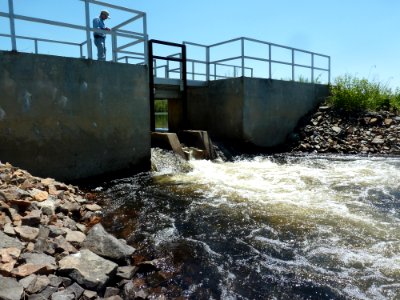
{"x": 114, "y": 46}
{"x": 312, "y": 67}
{"x": 292, "y": 64}
{"x": 88, "y": 25}
{"x": 208, "y": 63}
{"x": 269, "y": 61}
{"x": 329, "y": 69}
{"x": 36, "y": 47}
{"x": 146, "y": 39}
{"x": 193, "y": 70}
{"x": 12, "y": 25}
{"x": 242, "y": 46}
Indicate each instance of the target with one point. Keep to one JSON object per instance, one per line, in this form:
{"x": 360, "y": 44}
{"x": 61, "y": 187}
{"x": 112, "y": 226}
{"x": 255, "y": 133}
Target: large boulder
{"x": 88, "y": 269}
{"x": 106, "y": 245}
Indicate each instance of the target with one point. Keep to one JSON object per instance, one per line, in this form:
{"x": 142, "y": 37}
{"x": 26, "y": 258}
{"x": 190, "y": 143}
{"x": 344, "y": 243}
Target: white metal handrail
{"x": 242, "y": 57}
{"x": 117, "y": 32}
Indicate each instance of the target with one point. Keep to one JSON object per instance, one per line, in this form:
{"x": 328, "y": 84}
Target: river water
{"x": 268, "y": 227}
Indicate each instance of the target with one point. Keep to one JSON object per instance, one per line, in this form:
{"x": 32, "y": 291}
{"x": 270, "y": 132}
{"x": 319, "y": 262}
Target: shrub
{"x": 352, "y": 94}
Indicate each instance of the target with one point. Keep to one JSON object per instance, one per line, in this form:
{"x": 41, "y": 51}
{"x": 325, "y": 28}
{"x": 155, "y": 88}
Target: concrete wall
{"x": 259, "y": 111}
{"x": 217, "y": 108}
{"x": 272, "y": 108}
{"x": 72, "y": 118}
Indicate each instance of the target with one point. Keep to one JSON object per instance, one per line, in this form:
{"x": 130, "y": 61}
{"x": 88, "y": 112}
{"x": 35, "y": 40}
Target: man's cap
{"x": 105, "y": 12}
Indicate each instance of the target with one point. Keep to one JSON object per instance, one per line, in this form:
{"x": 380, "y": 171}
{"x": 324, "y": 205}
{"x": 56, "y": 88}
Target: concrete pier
{"x": 73, "y": 118}
{"x": 261, "y": 112}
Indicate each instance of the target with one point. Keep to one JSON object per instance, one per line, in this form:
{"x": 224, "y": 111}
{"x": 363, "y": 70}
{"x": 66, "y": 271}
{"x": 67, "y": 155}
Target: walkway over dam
{"x": 59, "y": 118}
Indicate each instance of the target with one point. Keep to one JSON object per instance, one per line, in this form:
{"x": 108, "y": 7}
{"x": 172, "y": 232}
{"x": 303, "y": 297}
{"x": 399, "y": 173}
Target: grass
{"x": 355, "y": 95}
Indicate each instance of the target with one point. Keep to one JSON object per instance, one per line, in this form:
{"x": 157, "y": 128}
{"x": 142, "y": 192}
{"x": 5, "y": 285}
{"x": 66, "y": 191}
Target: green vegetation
{"x": 161, "y": 105}
{"x": 161, "y": 113}
{"x": 351, "y": 94}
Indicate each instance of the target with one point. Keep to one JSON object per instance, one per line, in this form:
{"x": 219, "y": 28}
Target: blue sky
{"x": 359, "y": 35}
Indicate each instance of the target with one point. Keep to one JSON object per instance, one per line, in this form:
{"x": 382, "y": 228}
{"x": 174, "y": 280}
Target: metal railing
{"x": 226, "y": 63}
{"x": 240, "y": 62}
{"x": 117, "y": 33}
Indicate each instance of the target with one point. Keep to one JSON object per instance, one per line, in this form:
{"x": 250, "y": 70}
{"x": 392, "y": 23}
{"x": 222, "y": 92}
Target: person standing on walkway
{"x": 99, "y": 37}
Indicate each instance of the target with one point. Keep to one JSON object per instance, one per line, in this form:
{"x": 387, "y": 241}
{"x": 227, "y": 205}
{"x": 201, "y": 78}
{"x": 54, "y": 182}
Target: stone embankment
{"x": 53, "y": 246}
{"x": 329, "y": 131}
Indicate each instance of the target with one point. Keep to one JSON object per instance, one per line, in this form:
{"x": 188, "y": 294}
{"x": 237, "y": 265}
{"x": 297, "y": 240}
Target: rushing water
{"x": 269, "y": 227}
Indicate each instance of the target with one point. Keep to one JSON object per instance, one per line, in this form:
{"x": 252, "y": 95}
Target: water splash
{"x": 267, "y": 227}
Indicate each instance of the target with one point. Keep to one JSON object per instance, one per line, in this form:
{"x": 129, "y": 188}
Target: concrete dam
{"x": 73, "y": 118}
{"x": 58, "y": 118}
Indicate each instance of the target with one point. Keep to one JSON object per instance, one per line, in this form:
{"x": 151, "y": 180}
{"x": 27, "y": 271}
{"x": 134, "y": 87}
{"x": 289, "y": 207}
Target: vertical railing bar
{"x": 114, "y": 46}
{"x": 312, "y": 67}
{"x": 329, "y": 68}
{"x": 293, "y": 65}
{"x": 146, "y": 38}
{"x": 269, "y": 63}
{"x": 184, "y": 81}
{"x": 242, "y": 46}
{"x": 12, "y": 25}
{"x": 36, "y": 46}
{"x": 151, "y": 65}
{"x": 88, "y": 39}
{"x": 167, "y": 70}
{"x": 208, "y": 63}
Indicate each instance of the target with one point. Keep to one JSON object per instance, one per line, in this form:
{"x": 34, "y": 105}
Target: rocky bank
{"x": 53, "y": 246}
{"x": 331, "y": 131}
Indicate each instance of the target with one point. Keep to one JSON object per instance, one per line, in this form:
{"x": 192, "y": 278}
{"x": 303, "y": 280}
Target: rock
{"x": 126, "y": 272}
{"x": 8, "y": 259}
{"x": 74, "y": 291}
{"x": 62, "y": 245}
{"x": 28, "y": 269}
{"x": 106, "y": 245}
{"x": 93, "y": 207}
{"x": 81, "y": 227}
{"x": 39, "y": 195}
{"x": 37, "y": 285}
{"x": 32, "y": 218}
{"x": 27, "y": 233}
{"x": 89, "y": 295}
{"x": 9, "y": 242}
{"x": 28, "y": 281}
{"x": 40, "y": 259}
{"x": 56, "y": 231}
{"x": 75, "y": 237}
{"x": 378, "y": 140}
{"x": 10, "y": 289}
{"x": 111, "y": 291}
{"x": 336, "y": 129}
{"x": 55, "y": 281}
{"x": 116, "y": 297}
{"x": 47, "y": 206}
{"x": 88, "y": 269}
{"x": 15, "y": 193}
{"x": 69, "y": 207}
{"x": 9, "y": 229}
{"x": 44, "y": 295}
{"x": 388, "y": 122}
